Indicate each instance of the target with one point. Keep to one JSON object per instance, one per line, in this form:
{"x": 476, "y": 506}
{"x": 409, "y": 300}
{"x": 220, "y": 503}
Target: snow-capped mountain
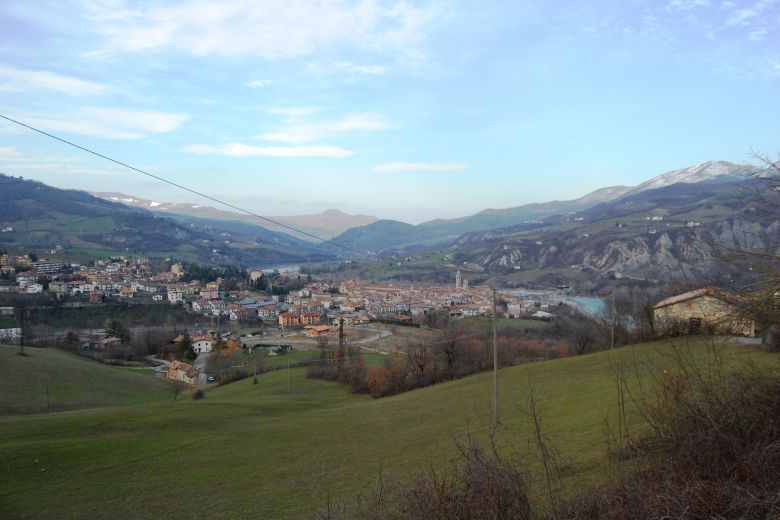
{"x": 707, "y": 171}
{"x": 604, "y": 194}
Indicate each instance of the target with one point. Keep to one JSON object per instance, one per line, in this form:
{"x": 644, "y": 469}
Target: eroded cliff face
{"x": 673, "y": 254}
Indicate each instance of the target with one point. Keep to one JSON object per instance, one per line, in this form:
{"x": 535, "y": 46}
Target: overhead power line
{"x": 180, "y": 186}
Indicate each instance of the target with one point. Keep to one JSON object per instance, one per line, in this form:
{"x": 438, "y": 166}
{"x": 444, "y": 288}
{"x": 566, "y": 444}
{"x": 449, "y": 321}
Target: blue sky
{"x": 404, "y": 110}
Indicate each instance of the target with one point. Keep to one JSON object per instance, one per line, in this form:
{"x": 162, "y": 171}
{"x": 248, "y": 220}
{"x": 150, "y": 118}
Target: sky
{"x": 399, "y": 109}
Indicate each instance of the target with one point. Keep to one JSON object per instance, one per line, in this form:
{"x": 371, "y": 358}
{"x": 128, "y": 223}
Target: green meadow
{"x": 284, "y": 447}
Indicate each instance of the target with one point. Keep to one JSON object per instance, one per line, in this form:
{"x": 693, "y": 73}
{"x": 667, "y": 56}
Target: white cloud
{"x": 293, "y": 112}
{"x": 757, "y": 35}
{"x": 346, "y": 67}
{"x": 8, "y": 153}
{"x": 148, "y": 121}
{"x": 244, "y": 150}
{"x": 109, "y": 123}
{"x": 21, "y": 79}
{"x": 304, "y": 133}
{"x": 747, "y": 15}
{"x": 259, "y": 83}
{"x": 420, "y": 167}
{"x": 270, "y": 29}
{"x": 53, "y": 165}
{"x": 684, "y": 5}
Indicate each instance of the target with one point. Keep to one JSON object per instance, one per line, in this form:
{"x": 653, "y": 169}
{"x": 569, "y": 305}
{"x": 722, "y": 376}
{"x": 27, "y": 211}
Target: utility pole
{"x": 341, "y": 333}
{"x": 21, "y": 340}
{"x": 612, "y": 324}
{"x": 254, "y": 368}
{"x": 340, "y": 353}
{"x": 495, "y": 358}
{"x": 288, "y": 377}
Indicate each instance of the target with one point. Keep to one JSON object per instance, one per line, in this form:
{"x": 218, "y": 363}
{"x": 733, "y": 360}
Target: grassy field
{"x": 484, "y": 324}
{"x": 257, "y": 451}
{"x": 53, "y": 380}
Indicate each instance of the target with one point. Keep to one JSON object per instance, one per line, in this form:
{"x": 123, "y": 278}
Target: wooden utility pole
{"x": 23, "y": 327}
{"x": 495, "y": 357}
{"x": 612, "y": 324}
{"x": 340, "y": 353}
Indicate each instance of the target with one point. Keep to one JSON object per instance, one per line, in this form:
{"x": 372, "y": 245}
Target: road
{"x": 378, "y": 334}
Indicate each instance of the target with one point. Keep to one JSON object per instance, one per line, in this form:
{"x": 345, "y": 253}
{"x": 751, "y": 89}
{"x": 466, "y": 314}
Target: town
{"x": 258, "y": 308}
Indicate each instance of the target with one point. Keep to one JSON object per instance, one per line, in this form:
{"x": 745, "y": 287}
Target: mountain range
{"x": 668, "y": 227}
{"x": 390, "y": 236}
{"x": 326, "y": 224}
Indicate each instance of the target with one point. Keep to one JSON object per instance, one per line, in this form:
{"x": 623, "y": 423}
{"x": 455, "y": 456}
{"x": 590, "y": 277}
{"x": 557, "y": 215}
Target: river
{"x": 586, "y": 304}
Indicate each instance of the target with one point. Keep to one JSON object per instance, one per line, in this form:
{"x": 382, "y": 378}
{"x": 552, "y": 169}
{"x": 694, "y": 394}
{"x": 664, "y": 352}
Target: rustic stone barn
{"x": 704, "y": 310}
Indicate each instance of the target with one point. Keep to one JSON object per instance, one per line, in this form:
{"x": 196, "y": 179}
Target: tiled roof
{"x": 691, "y": 295}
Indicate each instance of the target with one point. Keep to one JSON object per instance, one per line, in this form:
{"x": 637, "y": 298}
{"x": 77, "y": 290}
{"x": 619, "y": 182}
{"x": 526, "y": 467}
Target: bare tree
{"x": 418, "y": 357}
{"x": 761, "y": 266}
{"x": 177, "y": 387}
{"x": 449, "y": 348}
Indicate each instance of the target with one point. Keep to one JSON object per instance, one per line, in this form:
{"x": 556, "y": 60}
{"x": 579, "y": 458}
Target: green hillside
{"x": 255, "y": 451}
{"x": 41, "y": 217}
{"x": 53, "y": 380}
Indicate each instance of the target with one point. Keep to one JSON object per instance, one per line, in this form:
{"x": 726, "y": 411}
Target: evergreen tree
{"x": 115, "y": 329}
{"x": 186, "y": 348}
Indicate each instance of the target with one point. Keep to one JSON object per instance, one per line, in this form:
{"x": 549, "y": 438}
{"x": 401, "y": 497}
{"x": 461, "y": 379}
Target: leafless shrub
{"x": 477, "y": 486}
{"x": 711, "y": 447}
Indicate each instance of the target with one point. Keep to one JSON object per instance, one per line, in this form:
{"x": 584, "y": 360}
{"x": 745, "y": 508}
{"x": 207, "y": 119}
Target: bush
{"x": 198, "y": 395}
{"x": 478, "y": 486}
{"x": 711, "y": 450}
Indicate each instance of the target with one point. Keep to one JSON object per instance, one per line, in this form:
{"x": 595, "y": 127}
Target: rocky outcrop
{"x": 674, "y": 254}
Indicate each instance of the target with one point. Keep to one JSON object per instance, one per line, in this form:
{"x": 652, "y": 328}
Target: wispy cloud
{"x": 420, "y": 167}
{"x": 271, "y": 29}
{"x": 259, "y": 83}
{"x": 346, "y": 67}
{"x": 8, "y": 153}
{"x": 244, "y": 150}
{"x": 745, "y": 16}
{"x": 293, "y": 112}
{"x": 109, "y": 123}
{"x": 16, "y": 162}
{"x": 23, "y": 79}
{"x": 758, "y": 35}
{"x": 685, "y": 5}
{"x": 305, "y": 133}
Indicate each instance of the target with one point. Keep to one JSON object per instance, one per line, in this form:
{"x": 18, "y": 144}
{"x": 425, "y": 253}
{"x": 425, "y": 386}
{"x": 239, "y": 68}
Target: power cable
{"x": 180, "y": 186}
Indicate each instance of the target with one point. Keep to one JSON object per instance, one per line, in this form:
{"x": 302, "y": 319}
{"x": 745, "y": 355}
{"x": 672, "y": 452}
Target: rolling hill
{"x": 258, "y": 451}
{"x": 39, "y": 217}
{"x": 49, "y": 380}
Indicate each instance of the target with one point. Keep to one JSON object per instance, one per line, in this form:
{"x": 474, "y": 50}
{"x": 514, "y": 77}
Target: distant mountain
{"x": 405, "y": 237}
{"x": 34, "y": 216}
{"x": 380, "y": 236}
{"x": 672, "y": 232}
{"x": 705, "y": 172}
{"x": 326, "y": 225}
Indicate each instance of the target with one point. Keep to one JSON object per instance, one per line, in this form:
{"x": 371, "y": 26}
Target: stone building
{"x": 704, "y": 310}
